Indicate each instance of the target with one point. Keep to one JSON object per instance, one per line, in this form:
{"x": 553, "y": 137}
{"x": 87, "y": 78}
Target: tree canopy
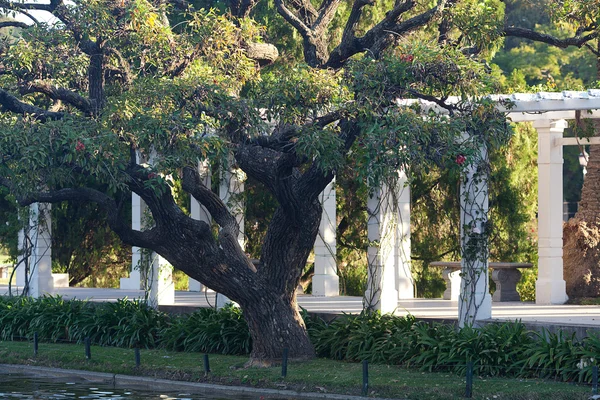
{"x": 128, "y": 96}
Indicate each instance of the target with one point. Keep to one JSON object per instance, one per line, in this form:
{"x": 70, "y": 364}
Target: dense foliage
{"x": 507, "y": 349}
{"x": 122, "y": 97}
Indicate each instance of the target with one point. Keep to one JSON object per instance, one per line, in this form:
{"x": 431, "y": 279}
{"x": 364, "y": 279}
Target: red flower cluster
{"x": 80, "y": 146}
{"x": 407, "y": 58}
{"x": 460, "y": 159}
{"x": 152, "y": 175}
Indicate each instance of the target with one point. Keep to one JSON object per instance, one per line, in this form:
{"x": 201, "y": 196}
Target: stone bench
{"x": 505, "y": 275}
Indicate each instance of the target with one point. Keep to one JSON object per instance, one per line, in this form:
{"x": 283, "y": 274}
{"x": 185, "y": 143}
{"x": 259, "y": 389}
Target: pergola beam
{"x": 573, "y": 141}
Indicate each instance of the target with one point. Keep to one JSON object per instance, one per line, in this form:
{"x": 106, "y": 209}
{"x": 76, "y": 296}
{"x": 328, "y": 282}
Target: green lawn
{"x": 319, "y": 375}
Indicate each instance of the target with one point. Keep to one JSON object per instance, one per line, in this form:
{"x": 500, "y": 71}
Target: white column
{"x": 158, "y": 274}
{"x": 20, "y": 272}
{"x": 231, "y": 191}
{"x": 474, "y": 302}
{"x": 550, "y": 287}
{"x": 325, "y": 281}
{"x": 200, "y": 213}
{"x": 403, "y": 265}
{"x": 134, "y": 280}
{"x": 381, "y": 293}
{"x": 40, "y": 264}
{"x": 162, "y": 288}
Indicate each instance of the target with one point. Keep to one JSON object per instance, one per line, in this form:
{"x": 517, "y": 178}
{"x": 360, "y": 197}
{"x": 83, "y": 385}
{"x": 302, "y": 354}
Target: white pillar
{"x": 158, "y": 274}
{"x": 403, "y": 264}
{"x": 134, "y": 280}
{"x": 40, "y": 264}
{"x": 200, "y": 213}
{"x": 20, "y": 272}
{"x": 474, "y": 302}
{"x": 325, "y": 281}
{"x": 550, "y": 287}
{"x": 231, "y": 189}
{"x": 381, "y": 293}
{"x": 162, "y": 288}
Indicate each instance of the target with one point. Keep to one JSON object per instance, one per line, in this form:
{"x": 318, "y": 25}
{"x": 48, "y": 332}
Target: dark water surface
{"x": 21, "y": 386}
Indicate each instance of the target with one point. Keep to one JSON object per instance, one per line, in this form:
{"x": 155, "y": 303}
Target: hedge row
{"x": 496, "y": 349}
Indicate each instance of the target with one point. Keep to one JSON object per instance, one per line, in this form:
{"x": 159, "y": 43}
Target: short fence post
{"x": 595, "y": 379}
{"x": 35, "y": 344}
{"x": 365, "y": 371}
{"x": 469, "y": 388}
{"x": 88, "y": 351}
{"x": 206, "y": 364}
{"x": 284, "y": 362}
{"x": 136, "y": 354}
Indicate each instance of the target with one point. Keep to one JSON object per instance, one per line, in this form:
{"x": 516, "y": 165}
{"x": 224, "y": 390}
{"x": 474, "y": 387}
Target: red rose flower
{"x": 460, "y": 159}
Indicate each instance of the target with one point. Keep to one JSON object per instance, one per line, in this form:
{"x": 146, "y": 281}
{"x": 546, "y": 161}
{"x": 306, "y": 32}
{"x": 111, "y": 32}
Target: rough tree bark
{"x": 581, "y": 235}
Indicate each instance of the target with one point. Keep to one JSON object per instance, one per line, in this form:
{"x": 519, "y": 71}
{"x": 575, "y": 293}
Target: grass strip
{"x": 319, "y": 375}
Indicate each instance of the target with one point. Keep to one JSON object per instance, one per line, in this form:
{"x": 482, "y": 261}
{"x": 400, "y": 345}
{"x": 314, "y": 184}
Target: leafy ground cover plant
{"x": 507, "y": 349}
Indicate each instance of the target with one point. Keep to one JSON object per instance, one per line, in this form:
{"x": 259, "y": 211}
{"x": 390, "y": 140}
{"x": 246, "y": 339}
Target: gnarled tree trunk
{"x": 581, "y": 235}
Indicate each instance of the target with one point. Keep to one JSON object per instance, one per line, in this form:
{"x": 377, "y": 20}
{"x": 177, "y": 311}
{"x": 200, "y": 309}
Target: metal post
{"x": 35, "y": 344}
{"x": 365, "y": 385}
{"x": 88, "y": 351}
{"x": 469, "y": 388}
{"x": 284, "y": 362}
{"x": 136, "y": 353}
{"x": 206, "y": 364}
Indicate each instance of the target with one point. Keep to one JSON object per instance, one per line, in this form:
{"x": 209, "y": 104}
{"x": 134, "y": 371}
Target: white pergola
{"x": 549, "y": 113}
{"x": 389, "y": 215}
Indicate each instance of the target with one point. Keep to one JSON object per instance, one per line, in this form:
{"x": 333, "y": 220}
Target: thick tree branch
{"x": 14, "y": 24}
{"x": 577, "y": 41}
{"x": 293, "y": 20}
{"x": 326, "y": 14}
{"x": 314, "y": 180}
{"x": 108, "y": 204}
{"x": 228, "y": 235}
{"x": 349, "y": 34}
{"x": 179, "y": 65}
{"x": 11, "y": 103}
{"x": 592, "y": 49}
{"x": 381, "y": 35}
{"x": 125, "y": 70}
{"x": 382, "y": 38}
{"x": 280, "y": 140}
{"x": 55, "y": 93}
{"x": 192, "y": 183}
{"x": 305, "y": 10}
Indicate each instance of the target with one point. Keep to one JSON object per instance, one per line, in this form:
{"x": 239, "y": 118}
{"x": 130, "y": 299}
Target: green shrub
{"x": 357, "y": 337}
{"x": 506, "y": 349}
{"x": 553, "y": 355}
{"x": 124, "y": 323}
{"x": 208, "y": 330}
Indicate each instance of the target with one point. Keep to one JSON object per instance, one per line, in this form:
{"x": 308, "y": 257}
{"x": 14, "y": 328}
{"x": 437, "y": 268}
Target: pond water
{"x": 21, "y": 386}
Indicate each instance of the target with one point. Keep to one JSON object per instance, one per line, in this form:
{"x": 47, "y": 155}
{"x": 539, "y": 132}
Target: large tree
{"x": 129, "y": 96}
